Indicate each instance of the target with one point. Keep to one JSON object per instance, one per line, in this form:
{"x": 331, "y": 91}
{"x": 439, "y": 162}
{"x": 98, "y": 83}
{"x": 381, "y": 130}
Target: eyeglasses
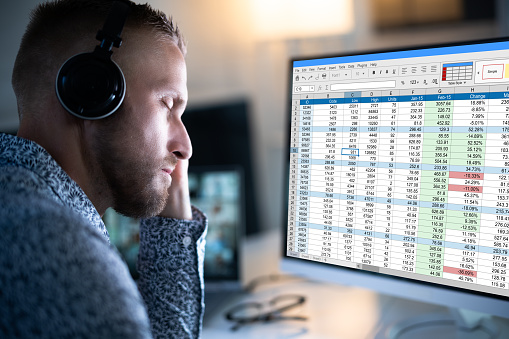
{"x": 251, "y": 312}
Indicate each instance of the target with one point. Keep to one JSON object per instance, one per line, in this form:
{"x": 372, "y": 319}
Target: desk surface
{"x": 333, "y": 311}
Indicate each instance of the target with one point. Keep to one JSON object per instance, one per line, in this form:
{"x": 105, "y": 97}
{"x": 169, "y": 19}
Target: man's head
{"x": 62, "y": 28}
{"x": 125, "y": 159}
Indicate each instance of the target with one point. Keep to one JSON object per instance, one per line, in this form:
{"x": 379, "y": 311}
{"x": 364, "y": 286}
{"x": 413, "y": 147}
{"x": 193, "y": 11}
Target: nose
{"x": 180, "y": 144}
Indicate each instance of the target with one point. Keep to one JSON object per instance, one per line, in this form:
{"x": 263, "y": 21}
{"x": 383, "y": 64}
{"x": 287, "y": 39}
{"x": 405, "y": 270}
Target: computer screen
{"x": 219, "y": 192}
{"x": 399, "y": 171}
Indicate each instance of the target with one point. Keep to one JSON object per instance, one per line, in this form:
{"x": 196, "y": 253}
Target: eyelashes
{"x": 174, "y": 104}
{"x": 166, "y": 102}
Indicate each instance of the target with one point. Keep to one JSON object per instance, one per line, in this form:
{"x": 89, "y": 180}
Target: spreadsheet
{"x": 399, "y": 164}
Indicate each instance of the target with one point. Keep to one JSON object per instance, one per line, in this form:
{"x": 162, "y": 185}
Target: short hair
{"x": 57, "y": 26}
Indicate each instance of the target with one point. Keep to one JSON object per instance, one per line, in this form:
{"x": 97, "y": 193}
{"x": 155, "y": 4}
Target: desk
{"x": 333, "y": 311}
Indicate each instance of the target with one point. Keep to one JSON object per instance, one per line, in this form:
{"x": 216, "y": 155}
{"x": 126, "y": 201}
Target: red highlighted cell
{"x": 465, "y": 188}
{"x": 460, "y": 271}
{"x": 466, "y": 175}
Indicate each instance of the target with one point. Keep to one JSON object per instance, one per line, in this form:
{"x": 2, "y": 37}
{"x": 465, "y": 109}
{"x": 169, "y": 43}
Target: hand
{"x": 178, "y": 205}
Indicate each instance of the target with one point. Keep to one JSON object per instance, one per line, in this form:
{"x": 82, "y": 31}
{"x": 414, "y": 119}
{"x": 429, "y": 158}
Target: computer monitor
{"x": 398, "y": 176}
{"x": 219, "y": 192}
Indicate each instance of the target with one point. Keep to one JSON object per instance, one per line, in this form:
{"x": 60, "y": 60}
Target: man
{"x": 59, "y": 276}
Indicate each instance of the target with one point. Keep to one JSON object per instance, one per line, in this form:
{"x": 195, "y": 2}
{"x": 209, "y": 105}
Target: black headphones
{"x": 91, "y": 85}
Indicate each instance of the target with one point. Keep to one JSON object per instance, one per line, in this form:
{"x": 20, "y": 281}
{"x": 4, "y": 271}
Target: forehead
{"x": 145, "y": 57}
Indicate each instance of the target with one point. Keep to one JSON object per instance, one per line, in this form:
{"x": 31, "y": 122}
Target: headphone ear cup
{"x": 90, "y": 86}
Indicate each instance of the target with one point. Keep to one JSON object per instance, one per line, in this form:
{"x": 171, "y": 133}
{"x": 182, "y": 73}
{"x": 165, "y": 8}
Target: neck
{"x": 65, "y": 143}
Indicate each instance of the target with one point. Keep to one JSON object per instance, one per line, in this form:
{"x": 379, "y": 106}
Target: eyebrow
{"x": 179, "y": 99}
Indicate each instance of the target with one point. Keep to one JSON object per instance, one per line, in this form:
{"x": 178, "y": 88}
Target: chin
{"x": 141, "y": 209}
{"x": 145, "y": 203}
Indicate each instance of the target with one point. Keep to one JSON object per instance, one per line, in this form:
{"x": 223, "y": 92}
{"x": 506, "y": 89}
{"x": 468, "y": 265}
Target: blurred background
{"x": 238, "y": 63}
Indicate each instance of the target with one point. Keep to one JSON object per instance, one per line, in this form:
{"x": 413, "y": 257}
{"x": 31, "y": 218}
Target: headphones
{"x": 91, "y": 85}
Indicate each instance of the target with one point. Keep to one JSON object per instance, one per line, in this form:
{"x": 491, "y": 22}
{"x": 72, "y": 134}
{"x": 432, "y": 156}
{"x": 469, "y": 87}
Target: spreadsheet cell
{"x": 416, "y": 182}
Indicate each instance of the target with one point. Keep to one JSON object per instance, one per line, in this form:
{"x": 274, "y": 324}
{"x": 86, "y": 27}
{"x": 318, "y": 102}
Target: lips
{"x": 167, "y": 170}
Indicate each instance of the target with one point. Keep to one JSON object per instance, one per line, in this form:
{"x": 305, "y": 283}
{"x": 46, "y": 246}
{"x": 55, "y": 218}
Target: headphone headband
{"x": 109, "y": 35}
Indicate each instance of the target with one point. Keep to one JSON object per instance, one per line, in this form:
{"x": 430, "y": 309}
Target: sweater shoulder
{"x": 59, "y": 276}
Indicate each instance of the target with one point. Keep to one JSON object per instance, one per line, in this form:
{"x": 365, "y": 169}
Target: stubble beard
{"x": 132, "y": 178}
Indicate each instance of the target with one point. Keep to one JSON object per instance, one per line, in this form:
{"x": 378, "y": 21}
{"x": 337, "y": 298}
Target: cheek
{"x": 153, "y": 135}
{"x": 148, "y": 126}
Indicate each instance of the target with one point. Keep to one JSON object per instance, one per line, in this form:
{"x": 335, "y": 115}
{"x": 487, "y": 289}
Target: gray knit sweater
{"x": 61, "y": 278}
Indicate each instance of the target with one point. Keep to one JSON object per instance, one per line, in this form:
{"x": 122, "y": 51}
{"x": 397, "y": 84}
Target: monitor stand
{"x": 460, "y": 323}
